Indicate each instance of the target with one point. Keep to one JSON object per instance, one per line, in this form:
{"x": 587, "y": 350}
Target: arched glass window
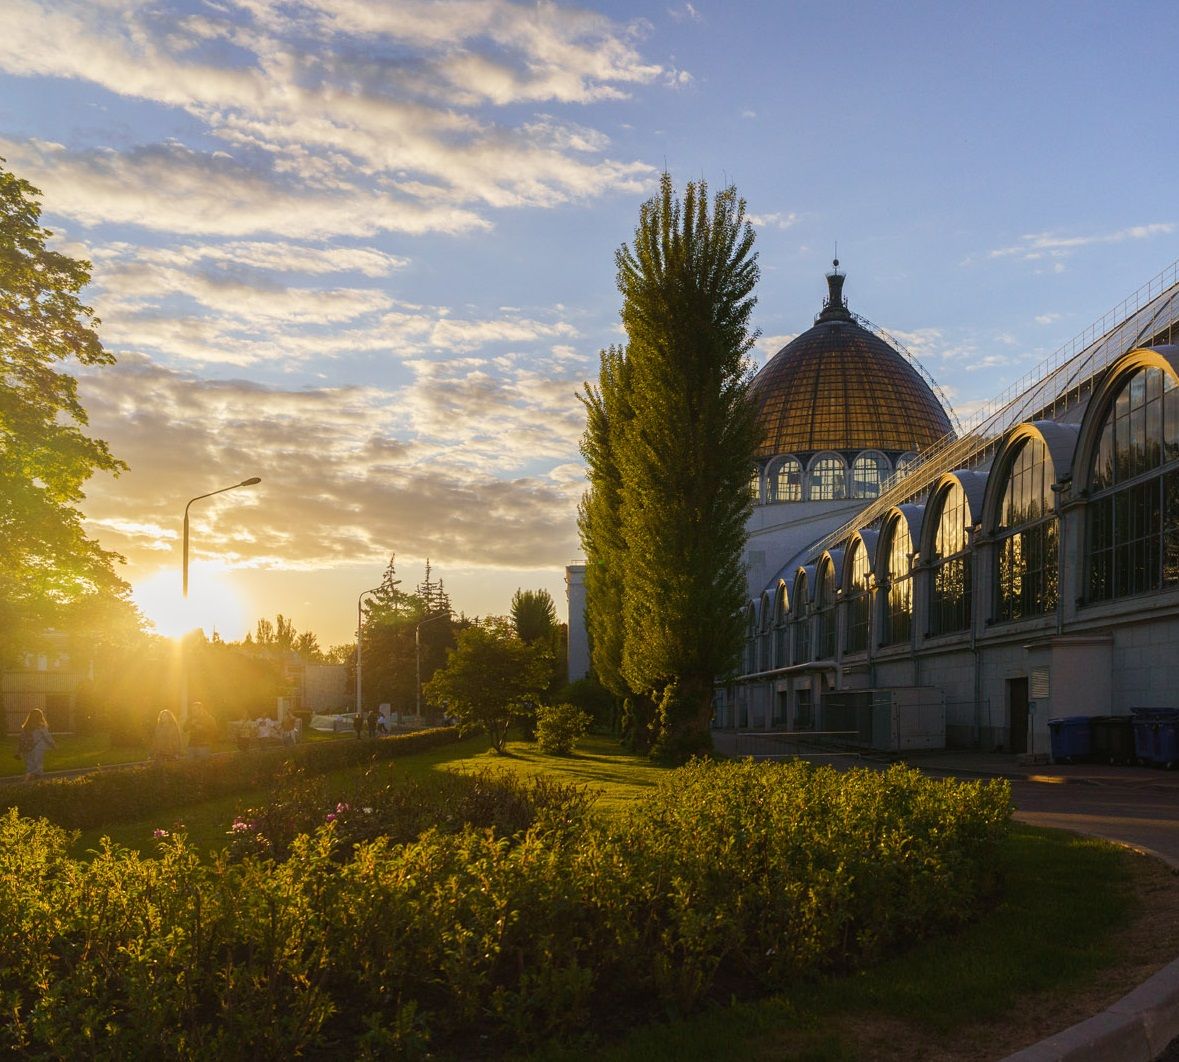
{"x": 868, "y": 475}
{"x": 1133, "y": 514}
{"x": 905, "y": 462}
{"x": 765, "y": 637}
{"x": 950, "y": 586}
{"x": 828, "y": 479}
{"x": 825, "y": 606}
{"x": 859, "y": 598}
{"x": 781, "y": 630}
{"x": 755, "y": 484}
{"x": 899, "y": 606}
{"x": 1026, "y": 538}
{"x": 801, "y": 622}
{"x": 786, "y": 485}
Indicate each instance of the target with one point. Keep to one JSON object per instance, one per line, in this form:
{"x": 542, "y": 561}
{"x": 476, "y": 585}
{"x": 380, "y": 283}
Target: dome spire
{"x": 835, "y": 305}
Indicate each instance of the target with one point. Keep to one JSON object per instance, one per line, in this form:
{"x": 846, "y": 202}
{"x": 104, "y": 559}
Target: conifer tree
{"x": 681, "y": 457}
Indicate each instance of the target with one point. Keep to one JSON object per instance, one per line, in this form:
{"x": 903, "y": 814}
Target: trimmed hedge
{"x": 124, "y": 794}
{"x": 735, "y": 878}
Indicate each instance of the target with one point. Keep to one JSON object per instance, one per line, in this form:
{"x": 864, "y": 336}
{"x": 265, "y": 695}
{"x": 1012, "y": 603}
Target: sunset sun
{"x": 212, "y": 604}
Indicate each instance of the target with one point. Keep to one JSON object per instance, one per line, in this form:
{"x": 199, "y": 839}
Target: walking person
{"x": 33, "y": 741}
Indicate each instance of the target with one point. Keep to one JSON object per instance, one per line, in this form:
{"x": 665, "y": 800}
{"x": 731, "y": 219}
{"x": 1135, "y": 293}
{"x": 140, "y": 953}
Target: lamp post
{"x": 359, "y": 632}
{"x": 252, "y": 481}
{"x": 417, "y": 650}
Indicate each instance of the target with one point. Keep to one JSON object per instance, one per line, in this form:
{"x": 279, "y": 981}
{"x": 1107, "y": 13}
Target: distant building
{"x": 48, "y": 679}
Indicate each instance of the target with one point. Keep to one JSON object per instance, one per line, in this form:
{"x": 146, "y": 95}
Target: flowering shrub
{"x": 733, "y": 878}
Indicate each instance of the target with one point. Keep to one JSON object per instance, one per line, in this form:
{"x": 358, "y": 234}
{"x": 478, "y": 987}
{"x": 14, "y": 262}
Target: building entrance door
{"x": 1017, "y": 701}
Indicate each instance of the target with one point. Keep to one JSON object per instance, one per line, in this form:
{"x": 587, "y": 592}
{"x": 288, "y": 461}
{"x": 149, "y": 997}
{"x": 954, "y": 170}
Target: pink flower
{"x": 341, "y": 808}
{"x": 330, "y": 816}
{"x": 159, "y": 834}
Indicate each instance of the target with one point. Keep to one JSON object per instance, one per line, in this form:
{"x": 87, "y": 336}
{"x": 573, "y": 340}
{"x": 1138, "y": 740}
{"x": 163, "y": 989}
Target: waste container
{"x": 1071, "y": 737}
{"x": 1113, "y": 739}
{"x": 1166, "y": 737}
{"x": 1145, "y": 729}
{"x": 1156, "y": 736}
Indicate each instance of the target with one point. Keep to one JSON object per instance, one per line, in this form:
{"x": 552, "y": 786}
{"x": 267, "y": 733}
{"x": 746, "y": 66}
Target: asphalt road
{"x": 1144, "y": 815}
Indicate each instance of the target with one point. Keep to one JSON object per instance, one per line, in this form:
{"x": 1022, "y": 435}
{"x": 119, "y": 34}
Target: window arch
{"x": 950, "y": 582}
{"x": 825, "y": 610}
{"x": 1026, "y": 536}
{"x": 786, "y": 482}
{"x": 750, "y": 662}
{"x": 781, "y": 629}
{"x": 765, "y": 635}
{"x": 827, "y": 480}
{"x": 801, "y": 621}
{"x": 1133, "y": 516}
{"x": 869, "y": 471}
{"x": 859, "y": 597}
{"x": 906, "y": 462}
{"x": 899, "y": 604}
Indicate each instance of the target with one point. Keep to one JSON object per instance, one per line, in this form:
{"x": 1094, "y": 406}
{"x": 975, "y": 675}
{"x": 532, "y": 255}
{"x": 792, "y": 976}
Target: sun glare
{"x": 213, "y": 603}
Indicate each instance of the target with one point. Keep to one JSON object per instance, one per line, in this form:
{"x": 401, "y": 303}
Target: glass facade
{"x": 801, "y": 622}
{"x": 1026, "y": 538}
{"x": 1132, "y": 520}
{"x": 950, "y": 584}
{"x": 825, "y": 618}
{"x": 786, "y": 481}
{"x": 869, "y": 472}
{"x": 859, "y": 600}
{"x": 899, "y": 606}
{"x": 828, "y": 479}
{"x": 781, "y": 629}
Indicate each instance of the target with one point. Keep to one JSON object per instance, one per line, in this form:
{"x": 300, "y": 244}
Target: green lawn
{"x": 74, "y": 751}
{"x": 618, "y": 777}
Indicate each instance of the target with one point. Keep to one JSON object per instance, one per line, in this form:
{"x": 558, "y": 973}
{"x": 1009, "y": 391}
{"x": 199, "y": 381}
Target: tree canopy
{"x": 490, "y": 678}
{"x": 670, "y": 441}
{"x": 51, "y": 573}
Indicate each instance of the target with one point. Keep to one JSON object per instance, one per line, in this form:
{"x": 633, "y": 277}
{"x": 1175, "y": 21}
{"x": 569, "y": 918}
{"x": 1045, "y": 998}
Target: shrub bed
{"x": 102, "y": 797}
{"x": 734, "y": 878}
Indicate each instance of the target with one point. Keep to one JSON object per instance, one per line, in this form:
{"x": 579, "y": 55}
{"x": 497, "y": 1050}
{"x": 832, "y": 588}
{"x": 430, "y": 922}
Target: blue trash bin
{"x": 1166, "y": 737}
{"x": 1072, "y": 738}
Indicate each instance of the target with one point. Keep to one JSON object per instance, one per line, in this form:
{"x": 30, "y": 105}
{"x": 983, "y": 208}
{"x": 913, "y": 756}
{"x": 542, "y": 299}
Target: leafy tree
{"x": 51, "y": 573}
{"x": 533, "y": 615}
{"x": 390, "y": 652}
{"x": 681, "y": 453}
{"x": 490, "y": 678}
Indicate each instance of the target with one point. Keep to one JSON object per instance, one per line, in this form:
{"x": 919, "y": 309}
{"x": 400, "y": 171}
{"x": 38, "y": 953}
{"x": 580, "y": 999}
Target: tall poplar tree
{"x": 680, "y": 456}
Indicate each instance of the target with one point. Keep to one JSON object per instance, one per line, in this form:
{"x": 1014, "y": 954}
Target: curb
{"x": 1137, "y": 1028}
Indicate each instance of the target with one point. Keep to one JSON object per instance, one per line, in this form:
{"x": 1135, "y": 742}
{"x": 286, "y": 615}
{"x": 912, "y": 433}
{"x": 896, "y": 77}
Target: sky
{"x": 365, "y": 250}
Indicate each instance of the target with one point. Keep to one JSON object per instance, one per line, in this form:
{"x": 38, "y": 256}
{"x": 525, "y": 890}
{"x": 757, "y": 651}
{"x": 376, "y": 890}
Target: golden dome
{"x": 840, "y": 387}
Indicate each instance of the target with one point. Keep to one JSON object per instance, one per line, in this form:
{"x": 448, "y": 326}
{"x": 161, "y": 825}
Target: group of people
{"x": 33, "y": 741}
{"x": 374, "y": 722}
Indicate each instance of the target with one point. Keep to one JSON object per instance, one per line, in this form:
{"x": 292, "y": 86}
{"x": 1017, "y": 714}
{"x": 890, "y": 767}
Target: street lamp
{"x": 183, "y": 656}
{"x": 417, "y": 650}
{"x": 253, "y": 480}
{"x": 359, "y": 632}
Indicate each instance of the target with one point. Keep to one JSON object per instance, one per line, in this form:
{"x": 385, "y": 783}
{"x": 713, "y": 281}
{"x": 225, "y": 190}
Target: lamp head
{"x": 250, "y": 482}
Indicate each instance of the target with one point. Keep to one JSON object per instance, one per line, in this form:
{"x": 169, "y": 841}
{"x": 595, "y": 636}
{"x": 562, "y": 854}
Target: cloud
{"x": 1036, "y": 246}
{"x": 775, "y": 220}
{"x": 685, "y": 12}
{"x": 1047, "y": 318}
{"x": 323, "y": 122}
{"x": 340, "y": 479}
